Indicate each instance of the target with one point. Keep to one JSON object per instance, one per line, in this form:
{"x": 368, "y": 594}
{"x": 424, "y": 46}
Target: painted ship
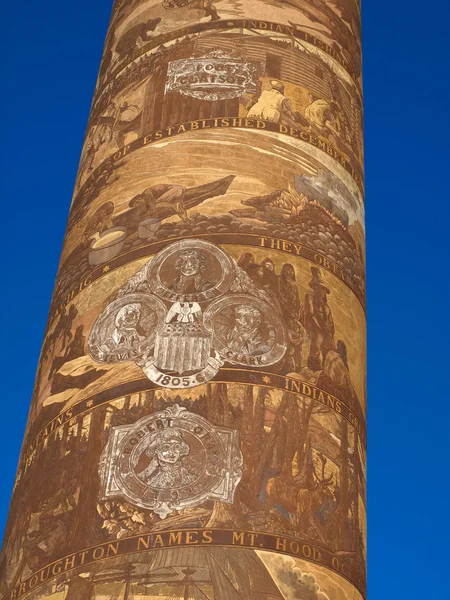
{"x": 187, "y": 574}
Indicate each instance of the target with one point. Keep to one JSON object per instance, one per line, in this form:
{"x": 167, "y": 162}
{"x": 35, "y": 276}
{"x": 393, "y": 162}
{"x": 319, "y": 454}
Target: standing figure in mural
{"x": 318, "y": 321}
{"x": 166, "y": 470}
{"x": 99, "y": 135}
{"x": 269, "y": 278}
{"x": 273, "y": 105}
{"x": 289, "y": 299}
{"x": 288, "y": 295}
{"x": 64, "y": 327}
{"x": 75, "y": 349}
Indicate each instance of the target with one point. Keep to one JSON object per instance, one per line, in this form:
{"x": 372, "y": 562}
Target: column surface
{"x": 197, "y": 426}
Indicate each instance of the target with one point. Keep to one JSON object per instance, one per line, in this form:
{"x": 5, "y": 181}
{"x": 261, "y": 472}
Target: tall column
{"x": 197, "y": 427}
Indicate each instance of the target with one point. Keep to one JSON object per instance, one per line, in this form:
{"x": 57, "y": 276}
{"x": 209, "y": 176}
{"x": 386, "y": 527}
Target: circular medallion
{"x": 172, "y": 459}
{"x": 127, "y": 328}
{"x": 191, "y": 271}
{"x": 246, "y": 331}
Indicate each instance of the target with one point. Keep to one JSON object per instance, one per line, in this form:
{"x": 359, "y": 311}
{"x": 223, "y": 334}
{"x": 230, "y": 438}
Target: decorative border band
{"x": 229, "y": 24}
{"x": 298, "y": 133}
{"x": 185, "y": 538}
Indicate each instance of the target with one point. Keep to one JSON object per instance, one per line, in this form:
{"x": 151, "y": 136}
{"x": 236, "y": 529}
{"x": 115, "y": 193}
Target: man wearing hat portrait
{"x": 166, "y": 450}
{"x": 318, "y": 321}
{"x": 272, "y": 105}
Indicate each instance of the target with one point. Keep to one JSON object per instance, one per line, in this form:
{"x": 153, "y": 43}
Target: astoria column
{"x": 197, "y": 427}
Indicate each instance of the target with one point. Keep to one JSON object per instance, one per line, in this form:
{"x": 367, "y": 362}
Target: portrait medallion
{"x": 171, "y": 460}
{"x": 127, "y": 328}
{"x": 191, "y": 271}
{"x": 184, "y": 314}
{"x": 246, "y": 331}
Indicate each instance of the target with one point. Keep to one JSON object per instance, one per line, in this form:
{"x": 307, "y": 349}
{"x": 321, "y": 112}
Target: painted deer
{"x": 300, "y": 502}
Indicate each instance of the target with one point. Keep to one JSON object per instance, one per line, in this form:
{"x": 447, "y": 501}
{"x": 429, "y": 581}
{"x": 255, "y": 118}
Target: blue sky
{"x": 51, "y": 52}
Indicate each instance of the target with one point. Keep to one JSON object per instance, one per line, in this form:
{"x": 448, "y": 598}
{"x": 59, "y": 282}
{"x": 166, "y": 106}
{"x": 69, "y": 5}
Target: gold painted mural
{"x": 197, "y": 426}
